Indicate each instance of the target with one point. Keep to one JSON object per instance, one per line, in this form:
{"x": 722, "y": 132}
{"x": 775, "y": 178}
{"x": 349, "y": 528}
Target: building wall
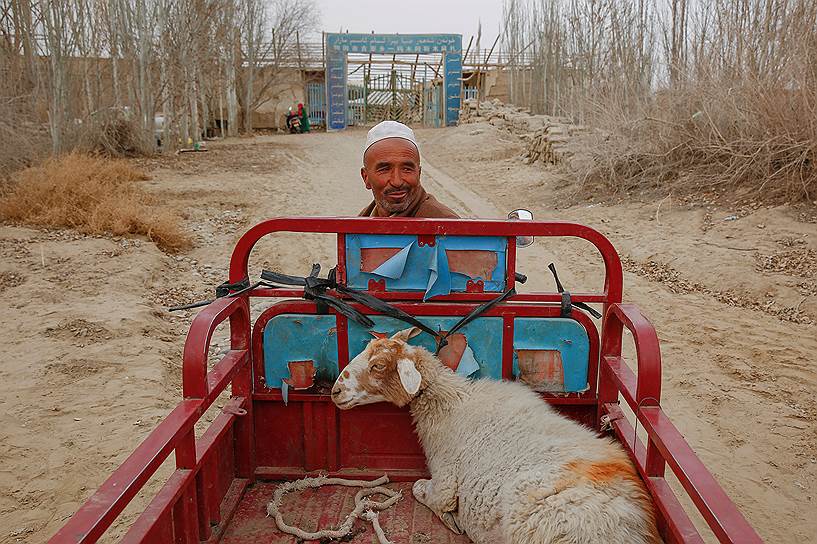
{"x": 288, "y": 90}
{"x": 496, "y": 83}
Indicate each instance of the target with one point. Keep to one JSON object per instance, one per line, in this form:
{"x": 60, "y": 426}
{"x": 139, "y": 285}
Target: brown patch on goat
{"x": 601, "y": 472}
{"x": 381, "y": 376}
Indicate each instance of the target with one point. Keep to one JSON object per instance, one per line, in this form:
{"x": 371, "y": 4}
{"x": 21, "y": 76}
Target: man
{"x": 391, "y": 170}
{"x": 304, "y": 117}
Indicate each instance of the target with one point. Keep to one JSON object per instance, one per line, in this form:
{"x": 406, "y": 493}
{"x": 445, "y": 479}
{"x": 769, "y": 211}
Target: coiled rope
{"x": 365, "y": 508}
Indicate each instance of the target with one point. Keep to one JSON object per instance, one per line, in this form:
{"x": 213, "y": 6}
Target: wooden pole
{"x": 300, "y": 63}
{"x": 425, "y": 82}
{"x": 467, "y": 49}
{"x": 481, "y": 78}
{"x": 412, "y": 84}
{"x": 367, "y": 80}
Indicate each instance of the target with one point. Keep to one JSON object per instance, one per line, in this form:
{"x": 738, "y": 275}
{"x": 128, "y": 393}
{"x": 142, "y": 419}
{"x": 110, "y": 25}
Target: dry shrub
{"x": 92, "y": 195}
{"x": 747, "y": 139}
{"x": 113, "y": 133}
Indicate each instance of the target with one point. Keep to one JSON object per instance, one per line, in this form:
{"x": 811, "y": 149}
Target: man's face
{"x": 391, "y": 169}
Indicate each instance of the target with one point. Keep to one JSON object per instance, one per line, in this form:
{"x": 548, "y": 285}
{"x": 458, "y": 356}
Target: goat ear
{"x": 406, "y": 334}
{"x": 409, "y": 376}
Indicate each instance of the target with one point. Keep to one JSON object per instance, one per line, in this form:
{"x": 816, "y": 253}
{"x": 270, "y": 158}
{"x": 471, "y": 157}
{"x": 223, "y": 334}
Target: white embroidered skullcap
{"x": 390, "y": 129}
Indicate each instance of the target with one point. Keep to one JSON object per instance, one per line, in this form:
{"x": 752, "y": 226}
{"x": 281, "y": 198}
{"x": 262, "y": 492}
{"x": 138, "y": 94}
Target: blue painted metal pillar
{"x": 453, "y": 84}
{"x": 337, "y": 94}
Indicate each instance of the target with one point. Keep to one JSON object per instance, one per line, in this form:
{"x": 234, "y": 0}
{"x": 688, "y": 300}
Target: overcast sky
{"x": 414, "y": 17}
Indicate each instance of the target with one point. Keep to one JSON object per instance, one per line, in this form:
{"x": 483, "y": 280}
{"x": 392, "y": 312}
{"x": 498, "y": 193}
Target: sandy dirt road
{"x": 91, "y": 359}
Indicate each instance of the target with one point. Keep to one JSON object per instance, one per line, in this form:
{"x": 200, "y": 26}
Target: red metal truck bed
{"x": 407, "y": 522}
{"x": 221, "y": 485}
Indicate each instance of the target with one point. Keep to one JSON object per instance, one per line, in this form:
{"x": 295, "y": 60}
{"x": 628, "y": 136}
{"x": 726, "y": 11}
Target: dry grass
{"x": 750, "y": 140}
{"x": 92, "y": 195}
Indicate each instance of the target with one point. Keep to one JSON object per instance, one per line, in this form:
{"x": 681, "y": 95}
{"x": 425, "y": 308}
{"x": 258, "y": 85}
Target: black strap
{"x": 567, "y": 303}
{"x": 385, "y": 308}
{"x": 473, "y": 314}
{"x": 344, "y": 309}
{"x": 315, "y": 289}
{"x": 286, "y": 279}
{"x": 222, "y": 290}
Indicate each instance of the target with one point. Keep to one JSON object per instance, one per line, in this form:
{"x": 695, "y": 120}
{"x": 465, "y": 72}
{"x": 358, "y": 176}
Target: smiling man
{"x": 391, "y": 170}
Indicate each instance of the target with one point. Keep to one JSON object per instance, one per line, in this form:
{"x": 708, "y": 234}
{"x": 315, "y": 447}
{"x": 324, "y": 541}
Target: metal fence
{"x": 316, "y": 103}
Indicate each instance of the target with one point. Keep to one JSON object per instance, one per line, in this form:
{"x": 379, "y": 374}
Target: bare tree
{"x": 127, "y": 61}
{"x": 265, "y": 55}
{"x": 566, "y": 57}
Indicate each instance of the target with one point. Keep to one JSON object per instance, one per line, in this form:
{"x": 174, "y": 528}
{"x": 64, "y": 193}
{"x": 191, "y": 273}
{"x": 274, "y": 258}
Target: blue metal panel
{"x": 339, "y": 45}
{"x": 484, "y": 336}
{"x": 297, "y": 338}
{"x": 294, "y": 337}
{"x": 416, "y": 273}
{"x": 562, "y": 334}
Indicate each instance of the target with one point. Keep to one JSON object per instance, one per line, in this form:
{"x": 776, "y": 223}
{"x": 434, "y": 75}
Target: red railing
{"x": 195, "y": 504}
{"x": 665, "y": 445}
{"x": 611, "y": 291}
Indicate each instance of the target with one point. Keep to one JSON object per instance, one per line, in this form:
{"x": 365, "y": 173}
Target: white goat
{"x": 505, "y": 468}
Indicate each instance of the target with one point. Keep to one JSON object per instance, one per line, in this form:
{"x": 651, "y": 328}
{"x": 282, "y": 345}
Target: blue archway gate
{"x": 338, "y": 46}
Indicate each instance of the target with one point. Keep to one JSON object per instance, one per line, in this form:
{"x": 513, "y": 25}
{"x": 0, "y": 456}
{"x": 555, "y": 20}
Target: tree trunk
{"x": 221, "y": 110}
{"x": 250, "y": 66}
{"x": 232, "y": 95}
{"x": 54, "y": 28}
{"x": 205, "y": 110}
{"x": 192, "y": 96}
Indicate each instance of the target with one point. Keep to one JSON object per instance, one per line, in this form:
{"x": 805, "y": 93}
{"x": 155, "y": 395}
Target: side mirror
{"x": 522, "y": 215}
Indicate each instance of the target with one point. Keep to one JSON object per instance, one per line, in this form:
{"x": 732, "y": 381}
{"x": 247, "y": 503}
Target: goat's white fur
{"x": 507, "y": 469}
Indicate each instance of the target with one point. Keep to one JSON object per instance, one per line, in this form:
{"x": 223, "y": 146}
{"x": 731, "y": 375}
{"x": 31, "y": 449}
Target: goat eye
{"x": 378, "y": 367}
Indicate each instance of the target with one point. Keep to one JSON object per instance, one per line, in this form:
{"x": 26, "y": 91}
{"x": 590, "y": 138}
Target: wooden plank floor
{"x": 407, "y": 522}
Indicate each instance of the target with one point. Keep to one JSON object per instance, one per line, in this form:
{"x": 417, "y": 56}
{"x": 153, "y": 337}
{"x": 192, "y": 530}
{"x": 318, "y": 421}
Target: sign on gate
{"x": 339, "y": 45}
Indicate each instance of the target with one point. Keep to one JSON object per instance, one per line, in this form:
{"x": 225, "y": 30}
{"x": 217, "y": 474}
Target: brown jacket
{"x": 424, "y": 205}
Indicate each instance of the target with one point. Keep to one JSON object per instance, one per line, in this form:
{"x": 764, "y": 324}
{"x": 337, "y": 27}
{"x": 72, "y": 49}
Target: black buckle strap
{"x": 473, "y": 314}
{"x": 385, "y": 308}
{"x": 315, "y": 289}
{"x": 222, "y": 290}
{"x": 567, "y": 303}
